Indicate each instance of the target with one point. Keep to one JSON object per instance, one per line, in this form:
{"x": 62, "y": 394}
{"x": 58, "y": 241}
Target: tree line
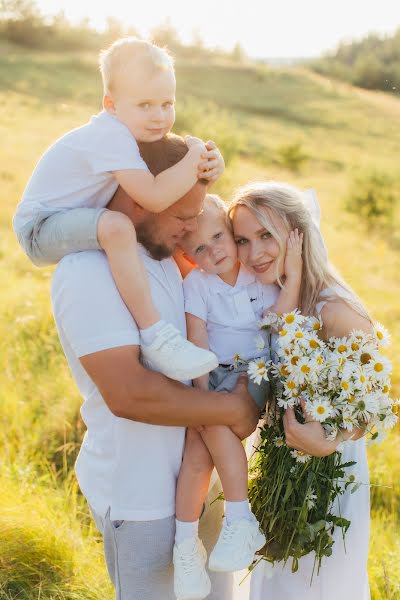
{"x": 372, "y": 63}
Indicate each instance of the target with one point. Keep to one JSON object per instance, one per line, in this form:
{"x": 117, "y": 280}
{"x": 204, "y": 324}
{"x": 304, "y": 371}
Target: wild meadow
{"x": 287, "y": 124}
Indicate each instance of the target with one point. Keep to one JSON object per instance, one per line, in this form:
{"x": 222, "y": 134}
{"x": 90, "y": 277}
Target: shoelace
{"x": 235, "y": 530}
{"x": 189, "y": 561}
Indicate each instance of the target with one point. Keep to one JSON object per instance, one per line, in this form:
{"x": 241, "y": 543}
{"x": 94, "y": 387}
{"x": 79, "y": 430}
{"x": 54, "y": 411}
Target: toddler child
{"x": 63, "y": 207}
{"x": 223, "y": 304}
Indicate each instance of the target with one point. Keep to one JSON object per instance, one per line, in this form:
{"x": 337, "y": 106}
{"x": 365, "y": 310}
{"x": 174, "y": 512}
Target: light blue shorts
{"x": 224, "y": 378}
{"x": 53, "y": 235}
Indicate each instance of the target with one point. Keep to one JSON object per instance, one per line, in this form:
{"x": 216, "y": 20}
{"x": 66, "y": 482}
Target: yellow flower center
{"x": 291, "y": 385}
{"x": 385, "y": 389}
{"x": 284, "y": 371}
{"x": 314, "y": 344}
{"x": 321, "y": 410}
{"x": 317, "y": 326}
{"x": 283, "y": 332}
{"x": 379, "y": 335}
{"x": 345, "y": 385}
{"x": 320, "y": 360}
{"x": 355, "y": 346}
{"x": 294, "y": 360}
{"x": 289, "y": 319}
{"x": 378, "y": 367}
{"x": 305, "y": 369}
{"x": 260, "y": 365}
{"x": 342, "y": 348}
{"x": 299, "y": 334}
{"x": 362, "y": 379}
{"x": 351, "y": 398}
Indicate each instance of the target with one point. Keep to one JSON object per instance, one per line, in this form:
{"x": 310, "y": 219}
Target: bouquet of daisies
{"x": 342, "y": 383}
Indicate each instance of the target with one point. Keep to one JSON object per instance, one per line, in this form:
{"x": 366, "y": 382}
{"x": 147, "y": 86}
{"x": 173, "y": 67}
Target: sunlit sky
{"x": 283, "y": 28}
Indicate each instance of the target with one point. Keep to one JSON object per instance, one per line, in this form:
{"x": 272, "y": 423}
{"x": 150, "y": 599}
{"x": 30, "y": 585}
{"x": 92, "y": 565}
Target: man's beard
{"x": 146, "y": 234}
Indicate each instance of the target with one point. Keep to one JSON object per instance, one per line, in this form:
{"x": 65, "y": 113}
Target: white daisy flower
{"x": 303, "y": 371}
{"x": 379, "y": 367}
{"x": 349, "y": 421}
{"x": 331, "y": 431}
{"x": 366, "y": 407}
{"x": 389, "y": 421}
{"x": 342, "y": 346}
{"x": 320, "y": 409}
{"x": 310, "y": 499}
{"x": 269, "y": 320}
{"x": 313, "y": 324}
{"x": 257, "y": 370}
{"x": 259, "y": 342}
{"x": 382, "y": 335}
{"x": 292, "y": 319}
{"x": 300, "y": 456}
{"x": 279, "y": 441}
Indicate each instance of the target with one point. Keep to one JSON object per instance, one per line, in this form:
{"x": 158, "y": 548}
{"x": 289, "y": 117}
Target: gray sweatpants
{"x": 139, "y": 554}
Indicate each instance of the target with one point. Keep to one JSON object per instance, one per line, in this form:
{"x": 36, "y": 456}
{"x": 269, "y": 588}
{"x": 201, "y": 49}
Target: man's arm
{"x": 133, "y": 392}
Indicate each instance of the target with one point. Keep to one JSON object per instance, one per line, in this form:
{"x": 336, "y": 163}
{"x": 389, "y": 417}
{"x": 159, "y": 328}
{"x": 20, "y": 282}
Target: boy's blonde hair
{"x": 318, "y": 273}
{"x": 116, "y": 61}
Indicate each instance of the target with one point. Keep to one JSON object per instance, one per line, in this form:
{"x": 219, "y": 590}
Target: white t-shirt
{"x": 76, "y": 171}
{"x": 128, "y": 466}
{"x": 231, "y": 312}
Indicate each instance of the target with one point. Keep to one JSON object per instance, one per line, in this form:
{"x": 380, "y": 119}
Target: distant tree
{"x": 238, "y": 54}
{"x": 373, "y": 196}
{"x": 165, "y": 34}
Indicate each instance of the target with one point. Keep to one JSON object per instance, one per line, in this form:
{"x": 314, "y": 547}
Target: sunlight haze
{"x": 264, "y": 29}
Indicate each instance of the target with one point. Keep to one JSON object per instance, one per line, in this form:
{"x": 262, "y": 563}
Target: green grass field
{"x": 49, "y": 548}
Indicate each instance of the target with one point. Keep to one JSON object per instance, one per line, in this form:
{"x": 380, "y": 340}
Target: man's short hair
{"x": 119, "y": 58}
{"x": 164, "y": 153}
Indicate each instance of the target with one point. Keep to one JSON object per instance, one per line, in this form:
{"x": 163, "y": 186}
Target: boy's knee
{"x": 114, "y": 226}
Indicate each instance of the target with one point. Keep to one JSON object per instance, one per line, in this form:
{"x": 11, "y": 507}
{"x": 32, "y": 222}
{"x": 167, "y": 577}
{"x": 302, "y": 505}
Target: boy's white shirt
{"x": 76, "y": 171}
{"x": 124, "y": 465}
{"x": 230, "y": 312}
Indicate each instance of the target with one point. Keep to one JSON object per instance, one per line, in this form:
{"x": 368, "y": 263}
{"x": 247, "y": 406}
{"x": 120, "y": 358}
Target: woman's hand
{"x": 308, "y": 437}
{"x": 213, "y": 165}
{"x": 293, "y": 259}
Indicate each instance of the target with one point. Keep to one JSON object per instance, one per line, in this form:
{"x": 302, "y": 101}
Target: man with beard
{"x": 136, "y": 418}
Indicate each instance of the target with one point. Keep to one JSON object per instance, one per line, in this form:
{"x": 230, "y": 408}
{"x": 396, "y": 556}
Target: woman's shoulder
{"x": 339, "y": 318}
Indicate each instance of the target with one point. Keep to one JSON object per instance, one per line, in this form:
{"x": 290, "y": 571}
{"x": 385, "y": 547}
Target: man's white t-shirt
{"x": 76, "y": 171}
{"x": 231, "y": 312}
{"x": 124, "y": 465}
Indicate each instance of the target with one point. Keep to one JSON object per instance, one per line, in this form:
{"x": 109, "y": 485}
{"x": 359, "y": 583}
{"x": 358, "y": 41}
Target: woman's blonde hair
{"x": 288, "y": 203}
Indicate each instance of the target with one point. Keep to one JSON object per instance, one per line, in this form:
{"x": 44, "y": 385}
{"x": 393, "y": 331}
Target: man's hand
{"x": 249, "y": 413}
{"x": 213, "y": 165}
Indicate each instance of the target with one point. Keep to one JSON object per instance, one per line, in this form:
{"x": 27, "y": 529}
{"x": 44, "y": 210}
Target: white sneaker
{"x": 191, "y": 581}
{"x": 170, "y": 353}
{"x": 237, "y": 545}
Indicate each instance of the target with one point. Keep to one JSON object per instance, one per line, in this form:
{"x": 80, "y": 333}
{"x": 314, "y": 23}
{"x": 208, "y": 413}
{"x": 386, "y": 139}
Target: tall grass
{"x": 49, "y": 548}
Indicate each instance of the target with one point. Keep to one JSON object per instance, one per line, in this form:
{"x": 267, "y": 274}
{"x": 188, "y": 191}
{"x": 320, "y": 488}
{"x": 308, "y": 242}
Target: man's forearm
{"x": 135, "y": 393}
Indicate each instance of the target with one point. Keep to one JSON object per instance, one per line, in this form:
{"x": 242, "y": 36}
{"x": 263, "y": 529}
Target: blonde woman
{"x": 262, "y": 216}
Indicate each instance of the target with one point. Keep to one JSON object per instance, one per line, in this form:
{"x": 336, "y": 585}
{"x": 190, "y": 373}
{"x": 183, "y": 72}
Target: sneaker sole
{"x": 239, "y": 566}
{"x": 195, "y": 595}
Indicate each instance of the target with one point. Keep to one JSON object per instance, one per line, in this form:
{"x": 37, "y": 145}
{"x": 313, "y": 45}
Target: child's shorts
{"x": 224, "y": 378}
{"x": 53, "y": 235}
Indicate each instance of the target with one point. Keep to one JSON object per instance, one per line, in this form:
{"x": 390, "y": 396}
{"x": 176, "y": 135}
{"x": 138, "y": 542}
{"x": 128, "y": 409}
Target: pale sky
{"x": 283, "y": 28}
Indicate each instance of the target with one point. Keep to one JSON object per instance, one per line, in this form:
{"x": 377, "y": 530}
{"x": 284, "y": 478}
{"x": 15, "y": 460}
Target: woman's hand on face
{"x": 293, "y": 258}
{"x": 308, "y": 437}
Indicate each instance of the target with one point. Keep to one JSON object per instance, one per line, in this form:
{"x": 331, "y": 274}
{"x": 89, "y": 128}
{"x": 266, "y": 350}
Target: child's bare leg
{"x": 193, "y": 481}
{"x": 117, "y": 236}
{"x": 229, "y": 458}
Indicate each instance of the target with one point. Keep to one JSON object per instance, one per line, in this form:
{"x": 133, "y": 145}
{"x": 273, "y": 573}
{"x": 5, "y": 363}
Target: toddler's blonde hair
{"x": 116, "y": 61}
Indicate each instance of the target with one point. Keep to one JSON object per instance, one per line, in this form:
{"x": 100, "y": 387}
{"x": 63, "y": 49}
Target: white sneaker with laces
{"x": 191, "y": 581}
{"x": 174, "y": 356}
{"x": 236, "y": 545}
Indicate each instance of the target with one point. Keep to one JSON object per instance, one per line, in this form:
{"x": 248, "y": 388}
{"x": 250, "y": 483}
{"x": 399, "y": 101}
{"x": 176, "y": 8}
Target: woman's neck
{"x": 230, "y": 277}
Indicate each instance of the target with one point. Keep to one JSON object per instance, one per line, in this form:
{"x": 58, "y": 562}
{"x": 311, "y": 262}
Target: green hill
{"x": 286, "y": 124}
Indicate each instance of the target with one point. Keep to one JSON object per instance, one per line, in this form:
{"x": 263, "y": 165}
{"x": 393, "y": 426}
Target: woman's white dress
{"x": 343, "y": 575}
